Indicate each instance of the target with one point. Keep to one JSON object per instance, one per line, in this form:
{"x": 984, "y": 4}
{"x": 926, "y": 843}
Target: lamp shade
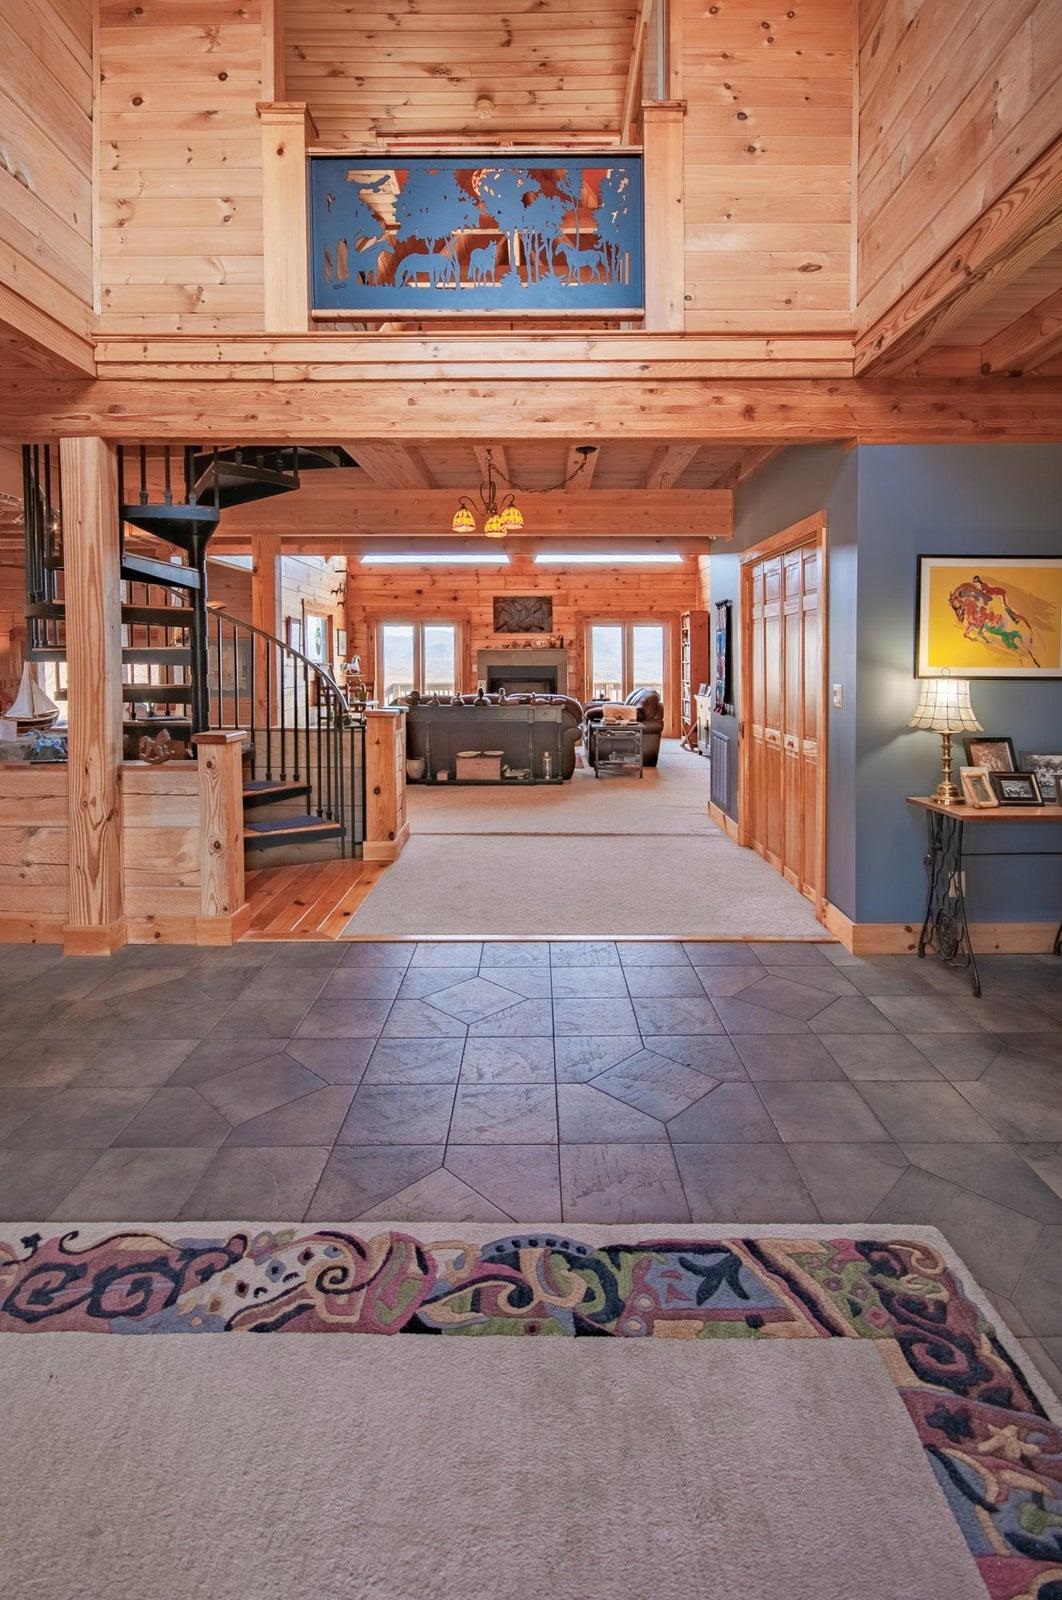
{"x": 944, "y": 707}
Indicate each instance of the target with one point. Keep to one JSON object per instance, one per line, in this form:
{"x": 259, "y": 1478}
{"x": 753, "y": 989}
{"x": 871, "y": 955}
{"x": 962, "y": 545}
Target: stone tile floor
{"x": 582, "y": 1081}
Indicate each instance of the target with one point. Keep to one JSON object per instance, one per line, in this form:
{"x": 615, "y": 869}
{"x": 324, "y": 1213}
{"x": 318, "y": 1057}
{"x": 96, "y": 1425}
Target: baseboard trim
{"x": 19, "y": 928}
{"x": 101, "y": 940}
{"x": 190, "y": 930}
{"x": 721, "y": 820}
{"x": 385, "y": 849}
{"x": 901, "y": 938}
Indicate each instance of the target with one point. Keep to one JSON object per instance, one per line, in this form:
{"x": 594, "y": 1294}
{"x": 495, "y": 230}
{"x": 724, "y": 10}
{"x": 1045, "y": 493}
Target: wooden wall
{"x": 466, "y": 597}
{"x": 768, "y": 164}
{"x": 34, "y": 852}
{"x": 181, "y": 165}
{"x": 318, "y": 581}
{"x": 956, "y": 100}
{"x": 46, "y": 94}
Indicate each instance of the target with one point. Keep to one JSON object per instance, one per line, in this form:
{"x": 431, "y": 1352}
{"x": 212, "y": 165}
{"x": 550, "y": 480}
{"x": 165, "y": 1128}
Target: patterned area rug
{"x": 986, "y": 1428}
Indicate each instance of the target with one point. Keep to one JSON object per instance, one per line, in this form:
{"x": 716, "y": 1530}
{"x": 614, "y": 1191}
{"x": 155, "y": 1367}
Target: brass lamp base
{"x": 947, "y": 792}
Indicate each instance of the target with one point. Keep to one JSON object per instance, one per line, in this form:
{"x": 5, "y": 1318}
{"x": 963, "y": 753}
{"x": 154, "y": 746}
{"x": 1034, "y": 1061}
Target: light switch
{"x": 838, "y": 696}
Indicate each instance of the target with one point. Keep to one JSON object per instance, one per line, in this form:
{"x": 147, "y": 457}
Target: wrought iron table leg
{"x": 944, "y": 927}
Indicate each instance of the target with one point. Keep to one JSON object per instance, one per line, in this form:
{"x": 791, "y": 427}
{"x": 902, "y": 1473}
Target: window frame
{"x": 418, "y": 624}
{"x": 628, "y": 625}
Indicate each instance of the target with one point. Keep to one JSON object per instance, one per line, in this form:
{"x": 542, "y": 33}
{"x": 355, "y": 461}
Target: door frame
{"x": 808, "y": 531}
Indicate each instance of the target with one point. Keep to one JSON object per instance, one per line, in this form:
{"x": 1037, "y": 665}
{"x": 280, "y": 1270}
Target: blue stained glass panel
{"x": 476, "y": 234}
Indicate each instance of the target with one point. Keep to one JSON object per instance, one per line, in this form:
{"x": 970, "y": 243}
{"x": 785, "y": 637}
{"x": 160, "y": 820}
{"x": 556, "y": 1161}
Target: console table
{"x": 524, "y": 733}
{"x": 944, "y": 927}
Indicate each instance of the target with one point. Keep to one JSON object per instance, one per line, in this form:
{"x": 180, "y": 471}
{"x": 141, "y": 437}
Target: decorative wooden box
{"x": 484, "y": 765}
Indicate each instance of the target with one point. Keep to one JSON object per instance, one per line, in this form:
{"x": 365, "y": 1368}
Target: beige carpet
{"x": 671, "y": 798}
{"x": 604, "y": 857}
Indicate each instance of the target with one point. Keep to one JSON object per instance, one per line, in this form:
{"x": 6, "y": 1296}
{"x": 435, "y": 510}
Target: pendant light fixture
{"x": 502, "y": 517}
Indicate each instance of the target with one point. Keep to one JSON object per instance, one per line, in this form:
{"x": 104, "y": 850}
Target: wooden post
{"x": 265, "y": 614}
{"x": 223, "y": 898}
{"x": 665, "y": 239}
{"x": 287, "y": 128}
{"x": 273, "y": 49}
{"x": 386, "y": 828}
{"x": 95, "y": 918}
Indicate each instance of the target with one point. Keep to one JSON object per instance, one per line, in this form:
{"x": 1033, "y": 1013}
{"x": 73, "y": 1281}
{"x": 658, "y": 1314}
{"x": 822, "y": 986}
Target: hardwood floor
{"x": 312, "y": 901}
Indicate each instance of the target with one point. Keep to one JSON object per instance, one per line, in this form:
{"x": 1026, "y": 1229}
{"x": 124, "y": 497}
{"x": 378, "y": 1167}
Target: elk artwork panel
{"x": 444, "y": 235}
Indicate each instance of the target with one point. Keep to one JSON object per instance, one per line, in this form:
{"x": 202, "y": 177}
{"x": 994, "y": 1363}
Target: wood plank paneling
{"x": 34, "y": 852}
{"x": 181, "y": 166}
{"x": 46, "y": 139}
{"x": 546, "y": 66}
{"x": 768, "y": 162}
{"x": 957, "y": 100}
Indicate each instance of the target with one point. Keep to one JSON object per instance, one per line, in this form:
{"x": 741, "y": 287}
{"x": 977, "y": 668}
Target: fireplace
{"x": 519, "y": 679}
{"x": 531, "y": 671}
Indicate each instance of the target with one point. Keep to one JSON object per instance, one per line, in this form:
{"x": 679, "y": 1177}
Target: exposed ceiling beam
{"x": 333, "y": 505}
{"x": 573, "y": 462}
{"x": 748, "y": 462}
{"x": 669, "y": 463}
{"x": 1011, "y": 236}
{"x": 391, "y": 466}
{"x": 632, "y": 92}
{"x": 1033, "y": 338}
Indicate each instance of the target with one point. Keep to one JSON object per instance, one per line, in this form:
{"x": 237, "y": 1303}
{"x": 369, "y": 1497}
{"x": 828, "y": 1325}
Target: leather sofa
{"x": 650, "y": 709}
{"x": 457, "y": 727}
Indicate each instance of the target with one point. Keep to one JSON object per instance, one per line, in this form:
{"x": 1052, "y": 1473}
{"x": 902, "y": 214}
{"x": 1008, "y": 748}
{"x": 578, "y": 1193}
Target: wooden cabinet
{"x": 783, "y": 780}
{"x": 693, "y": 662}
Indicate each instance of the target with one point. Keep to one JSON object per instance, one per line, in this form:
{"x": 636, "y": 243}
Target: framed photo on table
{"x": 977, "y": 787}
{"x": 989, "y": 616}
{"x": 1048, "y": 770}
{"x": 1017, "y": 788}
{"x": 993, "y": 751}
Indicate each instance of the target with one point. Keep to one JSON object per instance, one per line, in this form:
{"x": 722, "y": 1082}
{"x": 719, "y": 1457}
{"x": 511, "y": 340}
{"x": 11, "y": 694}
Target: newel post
{"x": 287, "y": 130}
{"x": 92, "y": 561}
{"x": 386, "y": 828}
{"x": 221, "y": 870}
{"x": 665, "y": 234}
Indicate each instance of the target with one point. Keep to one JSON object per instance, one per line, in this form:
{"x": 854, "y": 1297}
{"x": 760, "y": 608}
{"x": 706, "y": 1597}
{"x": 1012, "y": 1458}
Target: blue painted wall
{"x": 954, "y": 500}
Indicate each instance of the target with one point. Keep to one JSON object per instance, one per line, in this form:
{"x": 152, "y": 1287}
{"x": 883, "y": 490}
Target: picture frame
{"x": 1017, "y": 788}
{"x": 977, "y": 788}
{"x": 723, "y": 703}
{"x": 985, "y": 616}
{"x": 1048, "y": 770}
{"x": 523, "y": 613}
{"x": 293, "y": 632}
{"x": 993, "y": 751}
{"x": 341, "y": 644}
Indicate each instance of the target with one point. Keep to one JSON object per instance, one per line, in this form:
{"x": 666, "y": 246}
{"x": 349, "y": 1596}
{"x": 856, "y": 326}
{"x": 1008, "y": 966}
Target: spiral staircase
{"x": 187, "y": 665}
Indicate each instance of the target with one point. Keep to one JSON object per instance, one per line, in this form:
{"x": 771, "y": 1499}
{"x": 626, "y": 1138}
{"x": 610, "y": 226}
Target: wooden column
{"x": 95, "y": 919}
{"x": 386, "y": 828}
{"x": 287, "y": 129}
{"x": 265, "y": 614}
{"x": 223, "y": 899}
{"x": 665, "y": 239}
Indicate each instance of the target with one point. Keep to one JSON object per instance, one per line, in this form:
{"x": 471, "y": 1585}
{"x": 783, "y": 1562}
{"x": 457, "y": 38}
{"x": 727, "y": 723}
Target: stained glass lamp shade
{"x": 944, "y": 707}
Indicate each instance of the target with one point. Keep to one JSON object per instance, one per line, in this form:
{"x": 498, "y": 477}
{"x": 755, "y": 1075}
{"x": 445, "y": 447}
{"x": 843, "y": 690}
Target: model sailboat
{"x": 31, "y": 707}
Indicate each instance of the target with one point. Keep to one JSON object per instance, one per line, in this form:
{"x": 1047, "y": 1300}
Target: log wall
{"x": 46, "y": 99}
{"x": 956, "y": 101}
{"x": 181, "y": 165}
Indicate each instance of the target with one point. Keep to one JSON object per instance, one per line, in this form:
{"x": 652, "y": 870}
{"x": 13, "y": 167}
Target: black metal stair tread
{"x": 268, "y": 791}
{"x": 140, "y": 569}
{"x": 289, "y": 830}
{"x": 164, "y": 655}
{"x": 158, "y": 616}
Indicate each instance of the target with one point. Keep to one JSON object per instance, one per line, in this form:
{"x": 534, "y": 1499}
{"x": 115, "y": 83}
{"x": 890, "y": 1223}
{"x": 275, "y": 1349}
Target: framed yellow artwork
{"x": 984, "y": 617}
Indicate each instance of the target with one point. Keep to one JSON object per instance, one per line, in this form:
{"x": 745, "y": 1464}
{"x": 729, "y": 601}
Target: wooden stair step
{"x": 282, "y": 831}
{"x": 270, "y": 791}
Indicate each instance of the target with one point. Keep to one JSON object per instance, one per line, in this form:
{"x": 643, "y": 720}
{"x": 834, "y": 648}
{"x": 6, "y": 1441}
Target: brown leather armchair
{"x": 650, "y": 709}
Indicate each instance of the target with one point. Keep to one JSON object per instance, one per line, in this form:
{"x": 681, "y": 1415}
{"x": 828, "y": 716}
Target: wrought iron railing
{"x": 300, "y": 727}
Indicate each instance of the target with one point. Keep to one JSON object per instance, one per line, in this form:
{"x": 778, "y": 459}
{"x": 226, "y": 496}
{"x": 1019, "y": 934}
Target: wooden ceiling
{"x": 420, "y": 68}
{"x": 545, "y": 463}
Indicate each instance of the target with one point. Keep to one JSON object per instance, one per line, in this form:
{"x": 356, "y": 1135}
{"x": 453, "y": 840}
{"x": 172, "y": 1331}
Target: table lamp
{"x": 944, "y": 708}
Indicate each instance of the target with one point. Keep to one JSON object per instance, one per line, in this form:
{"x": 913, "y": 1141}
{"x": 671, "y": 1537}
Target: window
{"x": 626, "y": 656}
{"x": 415, "y": 655}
